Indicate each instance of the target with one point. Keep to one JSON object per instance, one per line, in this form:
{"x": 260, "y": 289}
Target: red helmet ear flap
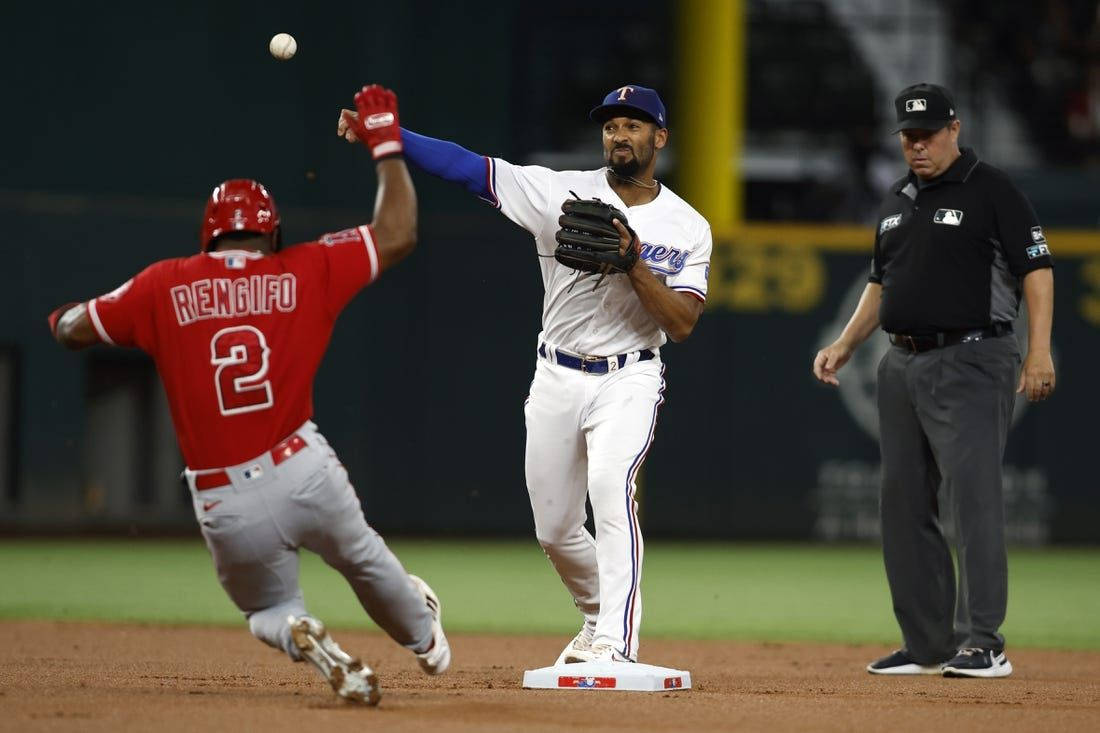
{"x": 238, "y": 205}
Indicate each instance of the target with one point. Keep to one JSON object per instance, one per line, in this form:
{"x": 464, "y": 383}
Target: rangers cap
{"x": 629, "y": 100}
{"x": 924, "y": 107}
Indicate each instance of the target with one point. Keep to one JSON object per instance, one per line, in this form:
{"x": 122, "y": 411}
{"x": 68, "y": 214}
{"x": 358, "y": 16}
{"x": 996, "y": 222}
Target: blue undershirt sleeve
{"x": 450, "y": 162}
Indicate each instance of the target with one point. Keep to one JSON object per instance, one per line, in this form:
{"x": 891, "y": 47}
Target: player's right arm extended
{"x": 441, "y": 158}
{"x": 72, "y": 327}
{"x": 449, "y": 161}
{"x": 860, "y": 327}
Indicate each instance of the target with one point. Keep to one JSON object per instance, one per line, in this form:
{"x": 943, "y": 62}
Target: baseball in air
{"x": 282, "y": 46}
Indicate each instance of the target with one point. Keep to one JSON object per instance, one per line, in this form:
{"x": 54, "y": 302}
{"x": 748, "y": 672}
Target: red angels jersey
{"x": 237, "y": 337}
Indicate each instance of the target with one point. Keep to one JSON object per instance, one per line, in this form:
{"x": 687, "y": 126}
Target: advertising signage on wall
{"x": 801, "y": 458}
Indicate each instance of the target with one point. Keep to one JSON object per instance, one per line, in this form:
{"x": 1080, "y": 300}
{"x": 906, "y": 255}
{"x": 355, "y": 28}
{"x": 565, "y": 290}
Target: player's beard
{"x": 628, "y": 169}
{"x": 631, "y": 168}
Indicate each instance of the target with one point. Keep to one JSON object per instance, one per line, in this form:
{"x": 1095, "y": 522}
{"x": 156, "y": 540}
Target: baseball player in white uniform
{"x": 598, "y": 379}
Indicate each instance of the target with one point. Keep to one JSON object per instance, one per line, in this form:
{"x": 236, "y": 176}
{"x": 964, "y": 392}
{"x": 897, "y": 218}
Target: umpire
{"x": 955, "y": 245}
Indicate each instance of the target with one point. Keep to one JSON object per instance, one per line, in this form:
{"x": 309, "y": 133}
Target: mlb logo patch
{"x": 254, "y": 472}
{"x": 889, "y": 223}
{"x": 916, "y": 105}
{"x": 952, "y": 217}
{"x": 674, "y": 683}
{"x": 1037, "y": 235}
{"x": 587, "y": 683}
{"x": 234, "y": 262}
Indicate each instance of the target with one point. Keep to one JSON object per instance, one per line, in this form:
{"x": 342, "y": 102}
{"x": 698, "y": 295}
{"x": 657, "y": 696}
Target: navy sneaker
{"x": 974, "y": 662}
{"x": 901, "y": 663}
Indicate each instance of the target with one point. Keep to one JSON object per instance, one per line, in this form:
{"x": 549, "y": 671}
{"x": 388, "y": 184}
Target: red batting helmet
{"x": 239, "y": 205}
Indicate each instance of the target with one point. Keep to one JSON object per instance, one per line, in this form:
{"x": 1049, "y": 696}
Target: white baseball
{"x": 282, "y": 46}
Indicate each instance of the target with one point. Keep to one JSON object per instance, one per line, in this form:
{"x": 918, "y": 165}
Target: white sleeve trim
{"x": 372, "y": 251}
{"x": 94, "y": 313}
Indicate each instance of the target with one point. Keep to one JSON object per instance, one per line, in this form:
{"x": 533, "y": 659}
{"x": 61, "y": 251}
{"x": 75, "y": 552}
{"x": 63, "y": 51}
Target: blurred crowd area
{"x": 1045, "y": 55}
{"x": 1026, "y": 76}
{"x": 821, "y": 78}
{"x": 819, "y": 81}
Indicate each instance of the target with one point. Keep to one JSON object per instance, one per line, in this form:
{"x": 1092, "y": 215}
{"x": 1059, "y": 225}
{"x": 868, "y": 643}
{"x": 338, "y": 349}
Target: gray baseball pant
{"x": 944, "y": 418}
{"x": 255, "y": 525}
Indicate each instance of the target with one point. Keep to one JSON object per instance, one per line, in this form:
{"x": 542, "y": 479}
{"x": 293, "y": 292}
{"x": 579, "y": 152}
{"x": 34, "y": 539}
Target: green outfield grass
{"x": 726, "y": 591}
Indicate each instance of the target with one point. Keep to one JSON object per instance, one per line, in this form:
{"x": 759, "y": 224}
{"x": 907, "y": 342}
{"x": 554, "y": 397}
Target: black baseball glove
{"x": 589, "y": 242}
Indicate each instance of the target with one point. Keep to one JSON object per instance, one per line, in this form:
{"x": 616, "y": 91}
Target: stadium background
{"x": 127, "y": 117}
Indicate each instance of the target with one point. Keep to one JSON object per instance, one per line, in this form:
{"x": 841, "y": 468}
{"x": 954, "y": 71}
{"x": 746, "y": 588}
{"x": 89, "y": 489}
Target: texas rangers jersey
{"x": 237, "y": 337}
{"x": 676, "y": 246}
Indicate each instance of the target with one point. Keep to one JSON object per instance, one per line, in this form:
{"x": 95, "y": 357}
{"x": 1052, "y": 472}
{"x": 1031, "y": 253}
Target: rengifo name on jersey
{"x": 223, "y": 297}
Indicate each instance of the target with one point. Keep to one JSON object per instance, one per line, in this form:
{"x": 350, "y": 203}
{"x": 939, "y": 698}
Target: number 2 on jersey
{"x": 240, "y": 353}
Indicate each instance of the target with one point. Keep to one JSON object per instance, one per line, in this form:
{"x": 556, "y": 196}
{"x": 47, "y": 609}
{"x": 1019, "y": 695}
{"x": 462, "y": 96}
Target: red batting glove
{"x": 377, "y": 125}
{"x": 56, "y": 316}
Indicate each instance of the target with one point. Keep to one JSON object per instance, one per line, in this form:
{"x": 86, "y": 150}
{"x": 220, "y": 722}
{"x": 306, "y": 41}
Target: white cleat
{"x": 605, "y": 653}
{"x": 438, "y": 657}
{"x": 349, "y": 677}
{"x": 578, "y": 650}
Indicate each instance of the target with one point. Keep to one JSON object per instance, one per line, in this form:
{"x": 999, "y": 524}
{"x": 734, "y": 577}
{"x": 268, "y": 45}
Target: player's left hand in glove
{"x": 595, "y": 237}
{"x": 375, "y": 122}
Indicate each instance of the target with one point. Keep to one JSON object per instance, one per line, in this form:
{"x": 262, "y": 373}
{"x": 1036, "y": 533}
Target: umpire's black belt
{"x": 593, "y": 364}
{"x": 917, "y": 343}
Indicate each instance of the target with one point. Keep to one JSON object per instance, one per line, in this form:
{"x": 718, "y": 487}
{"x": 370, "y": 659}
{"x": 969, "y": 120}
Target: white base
{"x": 607, "y": 676}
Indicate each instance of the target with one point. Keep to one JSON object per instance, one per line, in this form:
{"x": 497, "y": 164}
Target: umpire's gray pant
{"x": 944, "y": 417}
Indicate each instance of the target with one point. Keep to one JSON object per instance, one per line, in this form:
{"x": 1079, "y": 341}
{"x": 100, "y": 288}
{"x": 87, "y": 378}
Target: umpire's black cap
{"x": 924, "y": 107}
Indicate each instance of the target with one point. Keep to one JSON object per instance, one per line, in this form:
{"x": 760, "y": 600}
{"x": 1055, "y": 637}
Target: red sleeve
{"x": 124, "y": 316}
{"x": 352, "y": 263}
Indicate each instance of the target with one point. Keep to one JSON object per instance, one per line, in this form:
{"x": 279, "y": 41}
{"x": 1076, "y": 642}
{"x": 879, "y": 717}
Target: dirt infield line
{"x": 95, "y": 677}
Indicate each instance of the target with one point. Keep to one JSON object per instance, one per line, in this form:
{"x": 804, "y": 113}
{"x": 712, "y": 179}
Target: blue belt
{"x": 591, "y": 364}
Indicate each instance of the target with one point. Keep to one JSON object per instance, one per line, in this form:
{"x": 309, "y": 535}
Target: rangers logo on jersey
{"x": 662, "y": 259}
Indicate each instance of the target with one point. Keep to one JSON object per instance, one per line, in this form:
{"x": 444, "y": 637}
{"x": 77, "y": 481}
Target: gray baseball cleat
{"x": 437, "y": 658}
{"x": 349, "y": 677}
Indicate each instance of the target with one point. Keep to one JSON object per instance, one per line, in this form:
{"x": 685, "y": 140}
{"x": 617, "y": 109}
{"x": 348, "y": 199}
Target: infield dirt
{"x": 94, "y": 677}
